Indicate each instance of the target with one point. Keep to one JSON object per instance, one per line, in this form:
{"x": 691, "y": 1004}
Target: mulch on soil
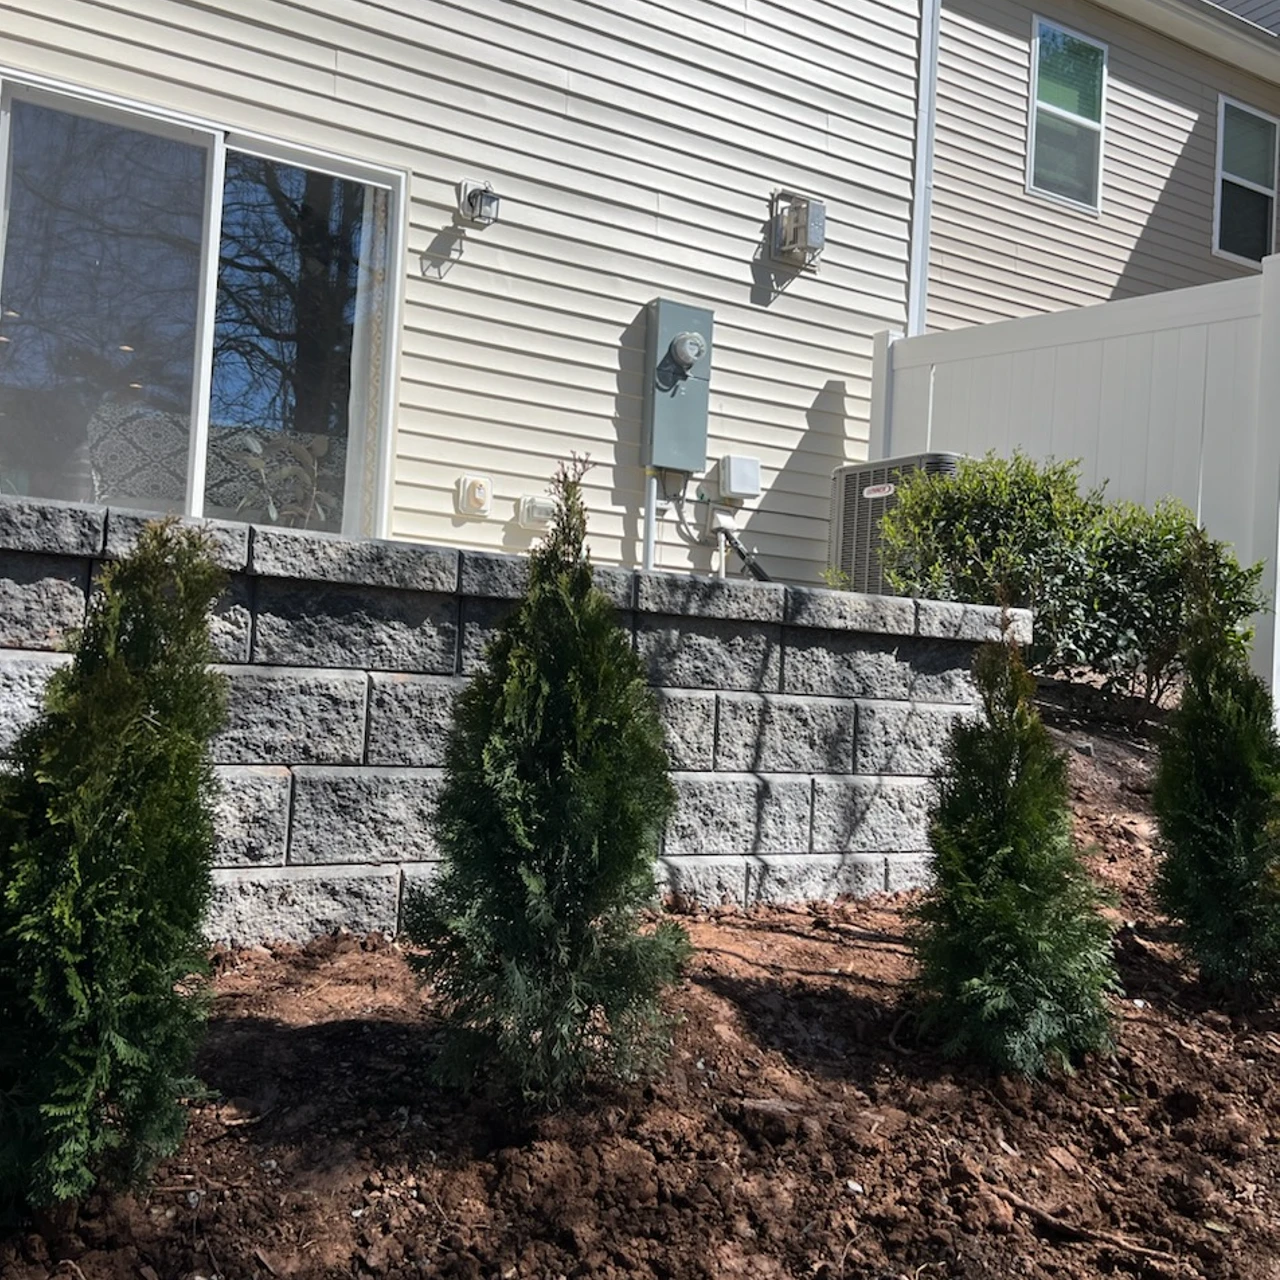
{"x": 800, "y": 1130}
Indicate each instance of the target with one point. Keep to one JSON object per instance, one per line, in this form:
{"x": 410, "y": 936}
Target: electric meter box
{"x": 677, "y": 369}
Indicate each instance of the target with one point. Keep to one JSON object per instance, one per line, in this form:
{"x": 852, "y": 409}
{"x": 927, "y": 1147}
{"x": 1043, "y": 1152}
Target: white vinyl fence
{"x": 1177, "y": 393}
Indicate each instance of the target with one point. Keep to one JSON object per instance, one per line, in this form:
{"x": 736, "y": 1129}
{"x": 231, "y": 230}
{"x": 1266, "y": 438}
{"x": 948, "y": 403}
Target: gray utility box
{"x": 676, "y": 392}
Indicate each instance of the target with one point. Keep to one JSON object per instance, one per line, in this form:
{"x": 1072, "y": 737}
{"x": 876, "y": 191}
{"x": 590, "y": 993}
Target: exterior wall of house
{"x": 635, "y": 144}
{"x": 1266, "y": 13}
{"x": 804, "y": 725}
{"x": 999, "y": 252}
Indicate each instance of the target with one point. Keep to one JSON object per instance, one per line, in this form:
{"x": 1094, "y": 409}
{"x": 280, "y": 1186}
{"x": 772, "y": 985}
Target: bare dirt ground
{"x": 800, "y": 1129}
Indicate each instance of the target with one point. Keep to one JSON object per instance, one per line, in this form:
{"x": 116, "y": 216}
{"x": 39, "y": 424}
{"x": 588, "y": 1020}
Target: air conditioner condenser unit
{"x": 860, "y": 495}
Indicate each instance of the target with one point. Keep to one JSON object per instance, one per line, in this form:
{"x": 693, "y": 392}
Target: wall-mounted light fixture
{"x": 799, "y": 228}
{"x": 478, "y": 203}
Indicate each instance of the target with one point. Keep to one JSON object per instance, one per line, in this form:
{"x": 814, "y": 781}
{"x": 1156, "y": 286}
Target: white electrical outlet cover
{"x": 475, "y": 496}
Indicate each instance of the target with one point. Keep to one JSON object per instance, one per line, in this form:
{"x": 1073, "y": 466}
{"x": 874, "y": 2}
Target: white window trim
{"x": 1219, "y": 174}
{"x": 1034, "y": 106}
{"x": 217, "y": 139}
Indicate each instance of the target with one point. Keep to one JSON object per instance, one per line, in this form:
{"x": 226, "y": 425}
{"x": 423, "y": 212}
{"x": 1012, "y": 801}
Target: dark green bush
{"x": 106, "y": 841}
{"x": 1014, "y": 958}
{"x": 1217, "y": 799}
{"x": 556, "y": 789}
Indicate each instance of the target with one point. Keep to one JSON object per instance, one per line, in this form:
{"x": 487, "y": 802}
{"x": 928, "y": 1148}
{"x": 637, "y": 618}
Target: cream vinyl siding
{"x": 634, "y": 144}
{"x": 999, "y": 251}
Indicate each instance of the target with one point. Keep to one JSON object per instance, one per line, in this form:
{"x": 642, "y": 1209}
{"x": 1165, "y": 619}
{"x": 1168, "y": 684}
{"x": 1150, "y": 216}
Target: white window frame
{"x": 1035, "y": 106}
{"x": 217, "y": 139}
{"x": 1219, "y": 175}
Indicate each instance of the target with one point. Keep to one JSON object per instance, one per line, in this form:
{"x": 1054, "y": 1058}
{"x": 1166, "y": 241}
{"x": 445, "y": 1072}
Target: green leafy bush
{"x": 1217, "y": 799}
{"x": 556, "y": 789}
{"x": 106, "y": 841}
{"x": 1014, "y": 958}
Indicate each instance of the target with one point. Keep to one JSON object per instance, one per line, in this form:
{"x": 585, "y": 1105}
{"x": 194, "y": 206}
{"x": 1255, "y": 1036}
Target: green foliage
{"x": 1108, "y": 582}
{"x": 1014, "y": 958}
{"x": 1217, "y": 799}
{"x": 106, "y": 839}
{"x": 556, "y": 789}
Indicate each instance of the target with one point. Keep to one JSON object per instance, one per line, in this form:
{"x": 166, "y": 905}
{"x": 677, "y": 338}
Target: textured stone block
{"x": 708, "y": 881}
{"x": 849, "y": 665}
{"x": 41, "y": 599}
{"x": 739, "y": 813}
{"x": 480, "y": 620}
{"x": 229, "y": 540}
{"x": 903, "y": 737}
{"x": 231, "y": 621}
{"x": 689, "y": 722}
{"x": 908, "y": 871}
{"x": 774, "y": 733}
{"x": 864, "y": 815}
{"x": 42, "y": 525}
{"x": 252, "y": 817}
{"x": 293, "y": 716}
{"x": 410, "y": 718}
{"x": 950, "y": 620}
{"x": 618, "y": 584}
{"x": 311, "y": 624}
{"x": 367, "y": 562}
{"x": 686, "y": 596}
{"x": 814, "y": 877}
{"x": 484, "y": 573}
{"x": 23, "y": 677}
{"x": 849, "y": 611}
{"x": 295, "y": 904}
{"x": 710, "y": 653}
{"x": 362, "y": 815}
{"x": 417, "y": 877}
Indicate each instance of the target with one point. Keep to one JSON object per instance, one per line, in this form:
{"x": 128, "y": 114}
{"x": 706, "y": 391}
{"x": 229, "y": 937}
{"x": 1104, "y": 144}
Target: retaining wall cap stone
{"x": 850, "y": 611}
{"x": 689, "y": 596}
{"x": 230, "y": 540}
{"x": 370, "y": 562}
{"x": 43, "y": 525}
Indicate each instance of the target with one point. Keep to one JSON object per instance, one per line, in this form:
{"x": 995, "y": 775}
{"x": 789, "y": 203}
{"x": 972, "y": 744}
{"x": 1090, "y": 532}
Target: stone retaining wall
{"x": 803, "y": 724}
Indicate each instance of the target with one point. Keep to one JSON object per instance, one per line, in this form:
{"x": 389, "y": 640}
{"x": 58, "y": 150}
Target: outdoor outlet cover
{"x": 475, "y": 496}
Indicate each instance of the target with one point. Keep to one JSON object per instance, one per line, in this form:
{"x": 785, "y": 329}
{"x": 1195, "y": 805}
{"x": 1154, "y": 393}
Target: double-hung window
{"x": 1068, "y": 107}
{"x": 1244, "y": 217}
{"x": 191, "y": 321}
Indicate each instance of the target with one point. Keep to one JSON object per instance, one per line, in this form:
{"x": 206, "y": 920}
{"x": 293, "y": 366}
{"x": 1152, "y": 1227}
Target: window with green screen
{"x": 1245, "y": 212}
{"x": 1068, "y": 77}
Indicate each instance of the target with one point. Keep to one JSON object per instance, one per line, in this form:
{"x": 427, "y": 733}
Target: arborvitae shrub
{"x": 1014, "y": 958}
{"x": 106, "y": 840}
{"x": 556, "y": 789}
{"x": 1217, "y": 800}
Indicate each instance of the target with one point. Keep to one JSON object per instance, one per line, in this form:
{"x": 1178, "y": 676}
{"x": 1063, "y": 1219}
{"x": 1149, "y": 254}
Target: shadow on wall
{"x": 627, "y": 492}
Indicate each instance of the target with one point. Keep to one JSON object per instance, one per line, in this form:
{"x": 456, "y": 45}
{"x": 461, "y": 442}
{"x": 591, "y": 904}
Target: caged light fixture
{"x": 478, "y": 203}
{"x": 798, "y": 224}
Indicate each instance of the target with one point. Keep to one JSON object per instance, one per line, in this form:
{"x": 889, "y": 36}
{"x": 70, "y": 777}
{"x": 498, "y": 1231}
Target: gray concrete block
{"x": 410, "y": 718}
{"x": 480, "y": 621}
{"x": 618, "y": 584}
{"x": 689, "y": 722}
{"x": 904, "y": 737}
{"x": 44, "y": 526}
{"x": 231, "y": 621}
{"x": 739, "y": 813}
{"x": 705, "y": 881}
{"x": 775, "y": 733}
{"x": 814, "y": 877}
{"x": 850, "y": 611}
{"x": 865, "y": 815}
{"x": 290, "y": 715}
{"x": 493, "y": 576}
{"x": 906, "y": 872}
{"x": 366, "y": 562}
{"x": 228, "y": 540}
{"x": 849, "y": 665}
{"x": 377, "y": 628}
{"x": 708, "y": 653}
{"x": 951, "y": 620}
{"x": 23, "y": 677}
{"x": 343, "y": 815}
{"x": 295, "y": 904}
{"x": 686, "y": 596}
{"x": 41, "y": 599}
{"x": 252, "y": 816}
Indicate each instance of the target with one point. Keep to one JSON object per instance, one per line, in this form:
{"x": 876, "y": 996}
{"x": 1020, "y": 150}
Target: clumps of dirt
{"x": 800, "y": 1129}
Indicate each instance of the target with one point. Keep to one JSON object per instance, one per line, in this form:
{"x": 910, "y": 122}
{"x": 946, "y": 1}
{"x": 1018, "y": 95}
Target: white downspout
{"x": 922, "y": 178}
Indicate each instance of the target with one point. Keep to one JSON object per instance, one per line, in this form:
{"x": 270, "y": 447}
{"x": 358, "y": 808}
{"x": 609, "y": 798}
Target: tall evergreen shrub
{"x": 556, "y": 789}
{"x": 105, "y": 848}
{"x": 1014, "y": 958}
{"x": 1217, "y": 800}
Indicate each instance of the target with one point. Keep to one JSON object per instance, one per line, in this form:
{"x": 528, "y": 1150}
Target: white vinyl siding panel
{"x": 634, "y": 144}
{"x": 999, "y": 252}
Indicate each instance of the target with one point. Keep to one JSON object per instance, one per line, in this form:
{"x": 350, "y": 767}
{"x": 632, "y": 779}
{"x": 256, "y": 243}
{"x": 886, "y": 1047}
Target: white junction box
{"x": 535, "y": 512}
{"x": 739, "y": 476}
{"x": 475, "y": 496}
